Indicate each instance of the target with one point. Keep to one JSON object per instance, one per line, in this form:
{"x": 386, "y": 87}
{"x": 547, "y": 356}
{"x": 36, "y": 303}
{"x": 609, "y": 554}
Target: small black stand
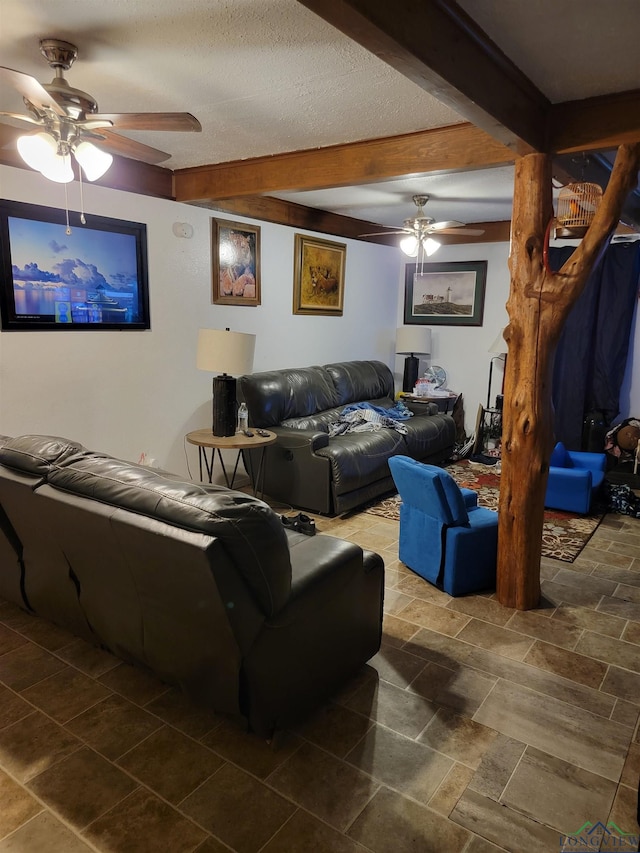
{"x": 224, "y": 405}
{"x": 410, "y": 376}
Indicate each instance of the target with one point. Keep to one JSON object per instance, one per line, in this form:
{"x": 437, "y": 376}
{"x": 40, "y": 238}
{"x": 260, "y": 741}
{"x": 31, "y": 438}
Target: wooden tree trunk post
{"x": 538, "y": 305}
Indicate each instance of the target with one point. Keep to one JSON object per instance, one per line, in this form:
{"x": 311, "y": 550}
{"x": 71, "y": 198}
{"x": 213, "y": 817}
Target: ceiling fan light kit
{"x": 419, "y": 228}
{"x": 51, "y": 157}
{"x": 71, "y": 125}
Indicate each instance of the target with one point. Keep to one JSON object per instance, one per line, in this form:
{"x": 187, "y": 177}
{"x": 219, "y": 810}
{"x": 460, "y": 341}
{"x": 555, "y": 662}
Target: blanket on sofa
{"x": 366, "y": 417}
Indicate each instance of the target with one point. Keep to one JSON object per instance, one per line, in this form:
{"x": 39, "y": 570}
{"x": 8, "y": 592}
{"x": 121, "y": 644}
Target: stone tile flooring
{"x": 476, "y": 728}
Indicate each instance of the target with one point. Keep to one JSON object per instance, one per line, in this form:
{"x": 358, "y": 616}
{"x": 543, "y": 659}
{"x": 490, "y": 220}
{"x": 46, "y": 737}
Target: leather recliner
{"x": 199, "y": 584}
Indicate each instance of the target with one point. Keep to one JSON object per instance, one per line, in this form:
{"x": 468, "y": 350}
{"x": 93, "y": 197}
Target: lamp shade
{"x": 222, "y": 351}
{"x": 499, "y": 346}
{"x": 410, "y": 339}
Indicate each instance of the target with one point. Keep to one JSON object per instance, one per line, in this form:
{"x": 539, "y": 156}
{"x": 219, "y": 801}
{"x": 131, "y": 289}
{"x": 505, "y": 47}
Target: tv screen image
{"x": 91, "y": 276}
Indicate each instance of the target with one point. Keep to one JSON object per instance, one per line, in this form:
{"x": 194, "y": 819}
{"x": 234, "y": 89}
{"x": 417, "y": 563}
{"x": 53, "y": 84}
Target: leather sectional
{"x": 200, "y": 584}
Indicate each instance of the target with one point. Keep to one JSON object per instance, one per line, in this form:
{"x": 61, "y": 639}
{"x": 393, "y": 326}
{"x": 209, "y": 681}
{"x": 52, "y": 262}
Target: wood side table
{"x": 204, "y": 438}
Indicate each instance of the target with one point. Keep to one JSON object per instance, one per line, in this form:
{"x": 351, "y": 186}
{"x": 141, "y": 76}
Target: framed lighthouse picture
{"x": 445, "y": 294}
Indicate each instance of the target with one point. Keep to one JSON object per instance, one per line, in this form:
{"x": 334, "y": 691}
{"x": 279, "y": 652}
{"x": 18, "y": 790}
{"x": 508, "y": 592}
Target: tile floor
{"x": 476, "y": 728}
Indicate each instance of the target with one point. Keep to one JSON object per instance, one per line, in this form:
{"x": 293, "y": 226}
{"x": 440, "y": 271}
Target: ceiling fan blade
{"x": 150, "y": 121}
{"x": 448, "y": 223}
{"x": 115, "y": 144}
{"x": 384, "y": 233}
{"x": 30, "y": 89}
{"x": 466, "y": 232}
{"x": 19, "y": 118}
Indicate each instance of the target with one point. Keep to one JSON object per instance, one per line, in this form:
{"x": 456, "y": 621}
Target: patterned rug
{"x": 564, "y": 534}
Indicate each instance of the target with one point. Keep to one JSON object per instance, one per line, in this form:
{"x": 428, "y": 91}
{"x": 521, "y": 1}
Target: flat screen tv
{"x": 55, "y": 277}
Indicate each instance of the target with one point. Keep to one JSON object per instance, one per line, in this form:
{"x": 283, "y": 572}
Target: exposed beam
{"x": 440, "y": 48}
{"x": 312, "y": 219}
{"x": 298, "y": 216}
{"x": 447, "y": 149}
{"x": 595, "y": 124}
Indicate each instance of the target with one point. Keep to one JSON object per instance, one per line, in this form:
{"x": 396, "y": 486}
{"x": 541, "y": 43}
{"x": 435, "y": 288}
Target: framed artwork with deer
{"x": 236, "y": 263}
{"x": 318, "y": 276}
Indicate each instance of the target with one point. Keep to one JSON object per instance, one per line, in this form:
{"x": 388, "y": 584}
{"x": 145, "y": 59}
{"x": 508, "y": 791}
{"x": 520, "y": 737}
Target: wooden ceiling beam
{"x": 595, "y": 124}
{"x": 439, "y": 47}
{"x": 295, "y": 215}
{"x": 457, "y": 148}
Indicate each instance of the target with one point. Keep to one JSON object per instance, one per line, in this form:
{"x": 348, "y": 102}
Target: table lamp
{"x": 229, "y": 354}
{"x": 411, "y": 340}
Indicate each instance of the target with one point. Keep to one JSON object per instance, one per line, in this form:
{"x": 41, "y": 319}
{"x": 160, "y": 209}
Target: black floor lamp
{"x": 409, "y": 341}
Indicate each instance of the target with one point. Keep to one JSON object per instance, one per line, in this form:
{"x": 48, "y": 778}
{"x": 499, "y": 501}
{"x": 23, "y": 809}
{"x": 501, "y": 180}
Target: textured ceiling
{"x": 268, "y": 76}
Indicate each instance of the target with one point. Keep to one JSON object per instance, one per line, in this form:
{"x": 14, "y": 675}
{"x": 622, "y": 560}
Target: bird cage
{"x": 577, "y": 205}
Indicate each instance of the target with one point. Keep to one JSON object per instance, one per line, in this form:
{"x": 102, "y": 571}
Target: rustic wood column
{"x": 538, "y": 305}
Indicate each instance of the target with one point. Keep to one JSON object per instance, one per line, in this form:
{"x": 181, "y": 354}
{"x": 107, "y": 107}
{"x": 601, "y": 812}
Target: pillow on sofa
{"x": 560, "y": 458}
{"x": 35, "y": 454}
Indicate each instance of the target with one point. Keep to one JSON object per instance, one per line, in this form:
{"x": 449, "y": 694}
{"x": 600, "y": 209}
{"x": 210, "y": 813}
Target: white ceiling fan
{"x": 418, "y": 230}
{"x": 68, "y": 122}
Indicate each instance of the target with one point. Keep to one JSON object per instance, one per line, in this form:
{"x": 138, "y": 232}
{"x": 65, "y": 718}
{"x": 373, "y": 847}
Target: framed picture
{"x": 446, "y": 294}
{"x": 318, "y": 276}
{"x": 236, "y": 263}
{"x": 61, "y": 277}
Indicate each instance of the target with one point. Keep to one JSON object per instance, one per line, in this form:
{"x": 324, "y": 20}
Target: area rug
{"x": 564, "y": 534}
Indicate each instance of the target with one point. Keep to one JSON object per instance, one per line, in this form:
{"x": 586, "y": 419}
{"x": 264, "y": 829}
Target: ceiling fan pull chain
{"x": 83, "y": 220}
{"x": 66, "y": 210}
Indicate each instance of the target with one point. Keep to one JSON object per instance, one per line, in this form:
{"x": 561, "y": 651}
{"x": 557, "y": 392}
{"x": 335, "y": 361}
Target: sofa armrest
{"x": 294, "y": 439}
{"x": 293, "y": 472}
{"x": 569, "y": 489}
{"x": 469, "y": 497}
{"x": 587, "y": 461}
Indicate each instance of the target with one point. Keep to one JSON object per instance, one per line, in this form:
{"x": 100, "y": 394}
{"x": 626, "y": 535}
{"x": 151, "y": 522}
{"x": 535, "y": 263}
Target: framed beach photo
{"x": 87, "y": 274}
{"x": 445, "y": 294}
{"x": 318, "y": 276}
{"x": 235, "y": 250}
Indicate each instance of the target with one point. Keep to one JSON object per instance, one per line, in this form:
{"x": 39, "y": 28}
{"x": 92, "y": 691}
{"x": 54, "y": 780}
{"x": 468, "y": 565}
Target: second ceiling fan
{"x": 418, "y": 230}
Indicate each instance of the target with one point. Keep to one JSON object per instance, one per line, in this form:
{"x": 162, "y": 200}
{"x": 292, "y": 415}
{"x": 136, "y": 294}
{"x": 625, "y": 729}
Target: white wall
{"x": 128, "y": 392}
{"x": 463, "y": 351}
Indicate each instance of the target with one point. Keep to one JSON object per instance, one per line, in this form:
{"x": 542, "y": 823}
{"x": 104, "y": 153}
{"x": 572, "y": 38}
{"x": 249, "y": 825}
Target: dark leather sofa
{"x": 330, "y": 475}
{"x": 200, "y": 584}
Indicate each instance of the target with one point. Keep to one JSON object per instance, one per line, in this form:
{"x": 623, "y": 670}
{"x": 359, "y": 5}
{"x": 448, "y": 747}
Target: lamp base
{"x": 224, "y": 405}
{"x": 410, "y": 376}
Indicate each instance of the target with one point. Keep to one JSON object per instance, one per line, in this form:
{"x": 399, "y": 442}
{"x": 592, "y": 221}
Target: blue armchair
{"x": 574, "y": 479}
{"x": 444, "y": 536}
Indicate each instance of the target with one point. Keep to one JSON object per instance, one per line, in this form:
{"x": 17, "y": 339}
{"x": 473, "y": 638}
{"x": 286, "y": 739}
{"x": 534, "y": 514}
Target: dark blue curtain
{"x": 592, "y": 352}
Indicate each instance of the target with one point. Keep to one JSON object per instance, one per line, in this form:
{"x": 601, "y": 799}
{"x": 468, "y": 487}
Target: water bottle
{"x": 243, "y": 417}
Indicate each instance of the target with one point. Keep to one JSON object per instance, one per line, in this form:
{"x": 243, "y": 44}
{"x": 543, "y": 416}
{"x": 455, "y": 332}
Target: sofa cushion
{"x": 250, "y": 531}
{"x": 360, "y": 458}
{"x": 278, "y": 395}
{"x": 427, "y": 435}
{"x": 355, "y": 381}
{"x": 35, "y": 454}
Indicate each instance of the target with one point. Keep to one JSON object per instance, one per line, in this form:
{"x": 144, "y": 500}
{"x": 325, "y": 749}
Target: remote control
{"x": 248, "y": 433}
{"x": 263, "y": 433}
